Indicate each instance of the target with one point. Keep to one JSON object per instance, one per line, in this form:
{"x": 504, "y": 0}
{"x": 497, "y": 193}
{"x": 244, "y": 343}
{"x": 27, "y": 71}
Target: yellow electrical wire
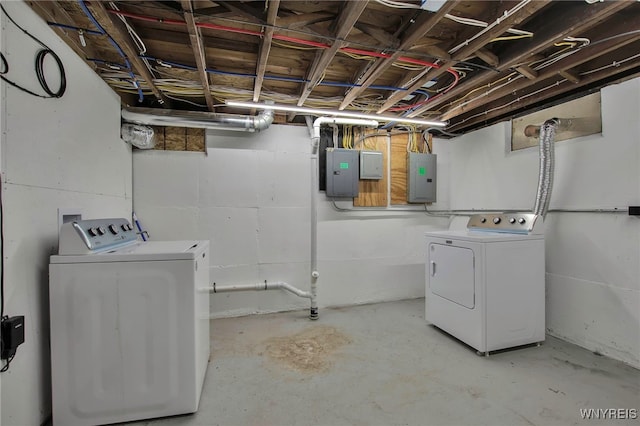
{"x": 515, "y": 37}
{"x": 293, "y": 46}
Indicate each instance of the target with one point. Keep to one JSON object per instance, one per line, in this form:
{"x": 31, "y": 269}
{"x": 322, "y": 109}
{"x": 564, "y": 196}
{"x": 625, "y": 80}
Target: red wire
{"x": 304, "y": 43}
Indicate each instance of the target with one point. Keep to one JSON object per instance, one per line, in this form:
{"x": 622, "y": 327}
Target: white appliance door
{"x": 452, "y": 276}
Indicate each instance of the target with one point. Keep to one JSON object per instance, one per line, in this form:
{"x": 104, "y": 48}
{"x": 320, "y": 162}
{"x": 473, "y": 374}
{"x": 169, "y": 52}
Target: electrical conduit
{"x": 315, "y": 143}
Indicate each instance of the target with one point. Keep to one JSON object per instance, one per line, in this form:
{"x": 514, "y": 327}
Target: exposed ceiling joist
{"x": 558, "y": 87}
{"x": 119, "y": 33}
{"x": 347, "y": 19}
{"x": 251, "y": 45}
{"x": 387, "y": 39}
{"x": 265, "y": 47}
{"x": 198, "y": 52}
{"x": 51, "y": 11}
{"x": 302, "y": 20}
{"x": 489, "y": 57}
{"x": 500, "y": 25}
{"x": 571, "y": 18}
{"x": 244, "y": 10}
{"x": 584, "y": 55}
{"x": 425, "y": 23}
{"x": 570, "y": 76}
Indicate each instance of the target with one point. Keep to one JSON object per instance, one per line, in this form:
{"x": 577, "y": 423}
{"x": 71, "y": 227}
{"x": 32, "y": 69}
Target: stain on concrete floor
{"x": 309, "y": 351}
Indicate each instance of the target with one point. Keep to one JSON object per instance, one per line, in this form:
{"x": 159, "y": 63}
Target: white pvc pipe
{"x": 260, "y": 286}
{"x": 315, "y": 143}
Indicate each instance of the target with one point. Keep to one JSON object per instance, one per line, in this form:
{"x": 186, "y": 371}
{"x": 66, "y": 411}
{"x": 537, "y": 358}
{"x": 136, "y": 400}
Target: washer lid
{"x": 483, "y": 236}
{"x": 141, "y": 251}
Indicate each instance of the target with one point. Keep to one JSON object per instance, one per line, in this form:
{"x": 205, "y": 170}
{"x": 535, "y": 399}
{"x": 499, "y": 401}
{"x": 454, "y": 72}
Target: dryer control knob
{"x": 124, "y": 227}
{"x": 483, "y": 220}
{"x": 521, "y": 221}
{"x": 497, "y": 220}
{"x": 113, "y": 229}
{"x": 101, "y": 230}
{"x": 92, "y": 232}
{"x": 512, "y": 220}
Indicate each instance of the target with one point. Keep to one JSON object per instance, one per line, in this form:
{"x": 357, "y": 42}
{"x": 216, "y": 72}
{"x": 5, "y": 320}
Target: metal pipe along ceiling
{"x": 203, "y": 120}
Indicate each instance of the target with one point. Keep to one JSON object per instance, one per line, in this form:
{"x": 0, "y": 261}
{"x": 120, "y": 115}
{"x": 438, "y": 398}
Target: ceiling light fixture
{"x": 336, "y": 113}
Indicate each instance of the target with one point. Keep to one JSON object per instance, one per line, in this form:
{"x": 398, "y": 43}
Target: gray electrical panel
{"x": 421, "y": 178}
{"x": 370, "y": 165}
{"x": 342, "y": 172}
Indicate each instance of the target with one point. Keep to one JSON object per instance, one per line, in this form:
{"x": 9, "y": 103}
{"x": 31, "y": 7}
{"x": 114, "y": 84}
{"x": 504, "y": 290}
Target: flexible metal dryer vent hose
{"x": 545, "y": 176}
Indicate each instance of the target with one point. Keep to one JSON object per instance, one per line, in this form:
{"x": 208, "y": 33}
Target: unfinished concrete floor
{"x": 383, "y": 365}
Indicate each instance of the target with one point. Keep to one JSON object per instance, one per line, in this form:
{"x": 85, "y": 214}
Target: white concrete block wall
{"x": 592, "y": 260}
{"x": 55, "y": 153}
{"x": 253, "y": 205}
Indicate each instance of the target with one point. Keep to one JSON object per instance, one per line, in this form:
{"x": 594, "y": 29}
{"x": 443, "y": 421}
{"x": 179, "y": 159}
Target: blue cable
{"x": 277, "y": 78}
{"x": 87, "y": 12}
{"x": 71, "y": 27}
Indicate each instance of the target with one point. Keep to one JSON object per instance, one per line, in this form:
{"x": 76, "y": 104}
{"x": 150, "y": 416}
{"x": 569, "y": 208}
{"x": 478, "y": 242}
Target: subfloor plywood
{"x": 399, "y": 169}
{"x": 374, "y": 193}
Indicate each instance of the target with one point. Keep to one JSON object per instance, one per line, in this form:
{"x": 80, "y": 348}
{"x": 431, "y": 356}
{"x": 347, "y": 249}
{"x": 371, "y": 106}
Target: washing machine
{"x": 485, "y": 285}
{"x": 129, "y": 324}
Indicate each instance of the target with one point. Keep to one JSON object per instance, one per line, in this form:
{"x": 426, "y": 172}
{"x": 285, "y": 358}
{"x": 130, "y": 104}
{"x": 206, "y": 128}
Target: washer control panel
{"x": 88, "y": 236}
{"x": 515, "y": 223}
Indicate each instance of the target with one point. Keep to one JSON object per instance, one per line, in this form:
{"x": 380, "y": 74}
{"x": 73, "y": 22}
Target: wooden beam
{"x": 559, "y": 88}
{"x": 502, "y": 24}
{"x": 51, "y": 11}
{"x": 387, "y": 39}
{"x": 298, "y": 21}
{"x": 489, "y": 57}
{"x": 198, "y": 52}
{"x": 584, "y": 55}
{"x": 212, "y": 12}
{"x": 438, "y": 52}
{"x": 425, "y": 23}
{"x": 527, "y": 71}
{"x": 569, "y": 18}
{"x": 265, "y": 47}
{"x": 119, "y": 33}
{"x": 574, "y": 78}
{"x": 243, "y": 10}
{"x": 347, "y": 19}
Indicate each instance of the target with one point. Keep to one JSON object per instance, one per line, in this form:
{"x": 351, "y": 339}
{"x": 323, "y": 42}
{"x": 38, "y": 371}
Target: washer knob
{"x": 483, "y": 220}
{"x": 124, "y": 227}
{"x": 497, "y": 220}
{"x": 129, "y": 227}
{"x": 521, "y": 221}
{"x": 101, "y": 230}
{"x": 92, "y": 232}
{"x": 512, "y": 220}
{"x": 113, "y": 229}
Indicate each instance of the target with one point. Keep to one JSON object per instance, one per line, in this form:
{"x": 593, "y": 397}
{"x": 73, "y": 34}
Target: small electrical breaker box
{"x": 370, "y": 165}
{"x": 421, "y": 178}
{"x": 342, "y": 172}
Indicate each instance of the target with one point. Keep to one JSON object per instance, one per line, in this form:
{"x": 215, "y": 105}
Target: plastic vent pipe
{"x": 315, "y": 143}
{"x": 203, "y": 120}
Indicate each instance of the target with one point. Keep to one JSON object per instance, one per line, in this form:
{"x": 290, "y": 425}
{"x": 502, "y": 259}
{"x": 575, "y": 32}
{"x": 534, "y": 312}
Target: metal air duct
{"x": 203, "y": 120}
